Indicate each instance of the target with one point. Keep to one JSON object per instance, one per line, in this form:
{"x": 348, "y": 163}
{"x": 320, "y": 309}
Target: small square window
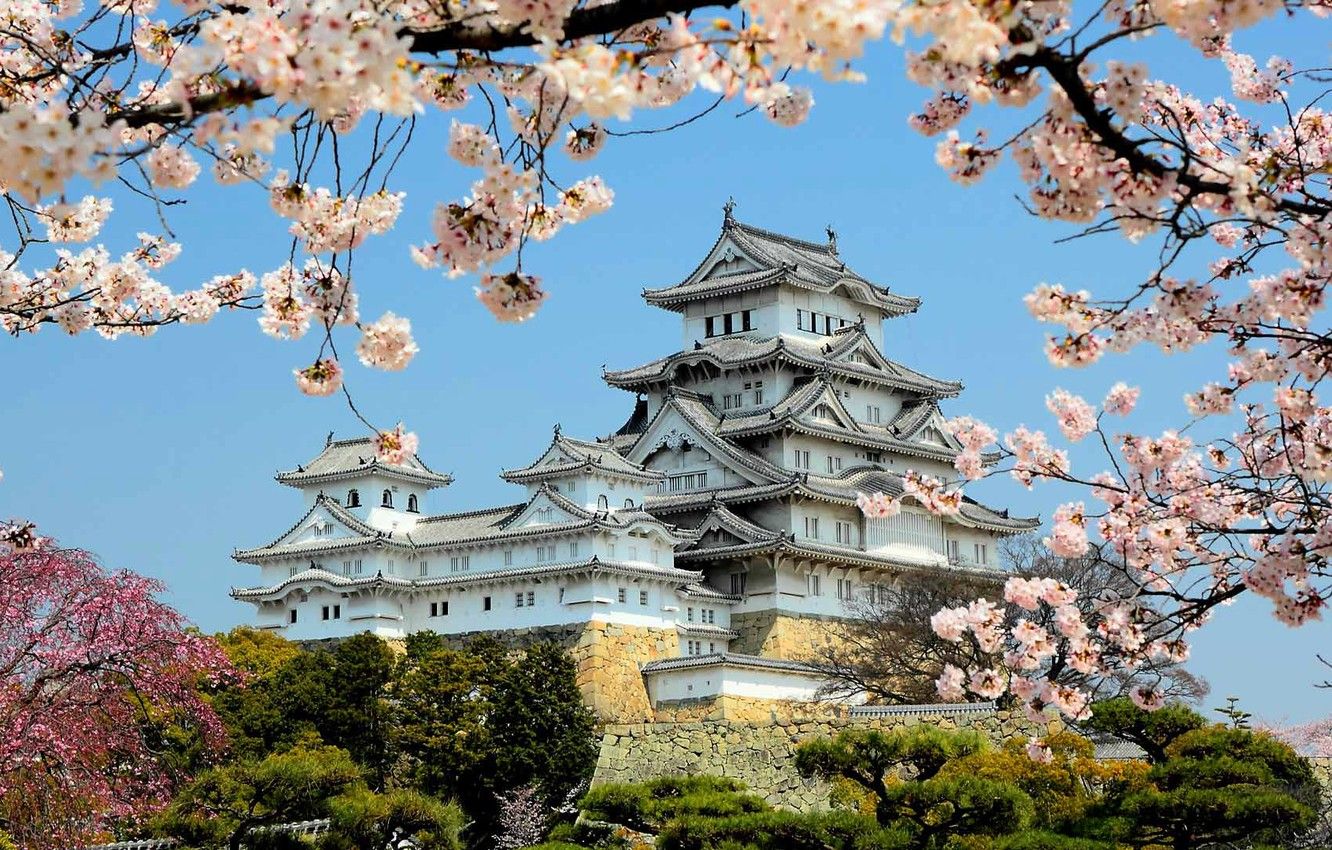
{"x": 642, "y": 597}
{"x": 531, "y": 598}
{"x": 620, "y": 594}
{"x": 291, "y": 615}
{"x": 325, "y": 612}
{"x": 518, "y": 599}
{"x": 337, "y": 612}
{"x": 485, "y": 604}
{"x": 444, "y": 608}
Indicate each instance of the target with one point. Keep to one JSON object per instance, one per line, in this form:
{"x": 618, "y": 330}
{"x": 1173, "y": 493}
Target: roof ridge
{"x": 472, "y": 513}
{"x": 821, "y": 247}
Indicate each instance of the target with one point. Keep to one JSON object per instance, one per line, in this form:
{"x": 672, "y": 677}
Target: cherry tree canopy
{"x": 90, "y": 663}
{"x": 150, "y": 93}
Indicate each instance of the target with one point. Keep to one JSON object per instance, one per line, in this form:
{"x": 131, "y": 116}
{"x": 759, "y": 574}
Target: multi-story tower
{"x": 778, "y": 410}
{"x": 697, "y": 554}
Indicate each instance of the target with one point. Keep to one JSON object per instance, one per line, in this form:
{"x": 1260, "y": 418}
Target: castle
{"x": 694, "y": 556}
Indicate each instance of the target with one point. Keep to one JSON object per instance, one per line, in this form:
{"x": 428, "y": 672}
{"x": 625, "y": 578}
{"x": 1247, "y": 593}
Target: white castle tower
{"x": 695, "y": 556}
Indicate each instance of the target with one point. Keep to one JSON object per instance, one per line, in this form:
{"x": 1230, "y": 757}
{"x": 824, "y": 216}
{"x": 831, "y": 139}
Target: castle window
{"x": 689, "y": 615}
{"x": 531, "y": 598}
{"x": 710, "y": 615}
{"x": 425, "y": 568}
{"x": 845, "y": 534}
{"x": 812, "y": 527}
{"x": 982, "y": 553}
{"x": 346, "y": 568}
{"x": 758, "y": 392}
{"x": 603, "y": 504}
{"x": 561, "y": 596}
{"x": 812, "y": 585}
{"x": 573, "y": 549}
{"x": 642, "y": 597}
{"x": 291, "y": 573}
{"x": 518, "y": 599}
{"x": 872, "y": 413}
{"x": 801, "y": 459}
{"x": 874, "y": 457}
{"x": 954, "y": 551}
{"x": 411, "y": 503}
{"x": 485, "y": 604}
{"x": 844, "y": 589}
{"x": 633, "y": 553}
{"x": 710, "y": 326}
{"x": 360, "y": 566}
{"x": 434, "y": 609}
{"x": 353, "y": 499}
{"x": 738, "y": 584}
{"x": 620, "y": 594}
{"x": 387, "y": 499}
{"x": 628, "y": 503}
{"x": 460, "y": 563}
{"x": 291, "y": 616}
{"x": 508, "y": 557}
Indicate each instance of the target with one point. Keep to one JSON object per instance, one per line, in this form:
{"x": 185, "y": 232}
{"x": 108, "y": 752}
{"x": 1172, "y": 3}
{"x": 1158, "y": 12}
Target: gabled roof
{"x": 567, "y": 456}
{"x": 841, "y": 489}
{"x": 383, "y": 582}
{"x": 721, "y": 518}
{"x": 747, "y": 351}
{"x": 729, "y": 659}
{"x": 342, "y": 459}
{"x": 745, "y": 258}
{"x": 700, "y": 419}
{"x": 359, "y": 534}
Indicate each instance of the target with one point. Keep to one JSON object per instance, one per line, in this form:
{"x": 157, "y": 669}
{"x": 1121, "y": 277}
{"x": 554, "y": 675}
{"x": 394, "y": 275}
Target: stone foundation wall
{"x": 760, "y": 753}
{"x": 743, "y": 710}
{"x": 777, "y": 634}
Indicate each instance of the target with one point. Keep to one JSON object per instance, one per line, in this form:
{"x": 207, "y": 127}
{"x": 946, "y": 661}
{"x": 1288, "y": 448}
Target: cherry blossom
{"x": 387, "y": 343}
{"x": 323, "y": 377}
{"x": 396, "y": 446}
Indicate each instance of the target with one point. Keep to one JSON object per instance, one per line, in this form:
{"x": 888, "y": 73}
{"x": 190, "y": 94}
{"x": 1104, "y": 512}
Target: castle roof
{"x": 343, "y": 459}
{"x": 728, "y": 659}
{"x": 567, "y": 456}
{"x": 746, "y": 258}
{"x": 749, "y": 351}
{"x": 379, "y": 581}
{"x": 470, "y": 528}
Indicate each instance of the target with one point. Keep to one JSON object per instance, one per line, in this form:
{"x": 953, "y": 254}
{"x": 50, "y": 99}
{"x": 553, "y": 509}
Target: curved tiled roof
{"x": 834, "y": 552}
{"x": 923, "y": 708}
{"x": 779, "y": 259}
{"x": 706, "y": 591}
{"x": 728, "y": 659}
{"x": 343, "y": 459}
{"x": 702, "y": 419}
{"x": 732, "y": 352}
{"x": 581, "y": 456}
{"x": 593, "y": 564}
{"x": 706, "y": 631}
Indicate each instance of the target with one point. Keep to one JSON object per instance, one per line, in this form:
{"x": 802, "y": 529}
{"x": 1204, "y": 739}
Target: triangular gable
{"x": 547, "y": 507}
{"x": 826, "y": 407}
{"x": 721, "y": 527}
{"x": 934, "y": 431}
{"x": 325, "y": 521}
{"x": 861, "y": 350}
{"x": 671, "y": 429}
{"x": 727, "y": 258}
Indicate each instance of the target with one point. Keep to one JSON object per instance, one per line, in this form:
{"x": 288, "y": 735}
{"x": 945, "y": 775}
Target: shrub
{"x": 648, "y": 805}
{"x": 1041, "y": 840}
{"x": 779, "y": 830}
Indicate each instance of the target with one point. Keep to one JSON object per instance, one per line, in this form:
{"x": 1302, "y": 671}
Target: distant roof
{"x": 567, "y": 456}
{"x": 730, "y": 352}
{"x": 763, "y": 258}
{"x": 342, "y": 459}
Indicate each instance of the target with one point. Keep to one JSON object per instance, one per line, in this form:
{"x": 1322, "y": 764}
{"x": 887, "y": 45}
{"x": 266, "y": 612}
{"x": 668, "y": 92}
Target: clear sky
{"x": 159, "y": 454}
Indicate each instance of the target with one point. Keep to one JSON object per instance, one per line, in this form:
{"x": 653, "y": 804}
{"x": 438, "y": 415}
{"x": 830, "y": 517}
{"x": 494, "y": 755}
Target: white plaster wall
{"x": 716, "y": 680}
{"x": 790, "y": 300}
{"x": 765, "y": 319}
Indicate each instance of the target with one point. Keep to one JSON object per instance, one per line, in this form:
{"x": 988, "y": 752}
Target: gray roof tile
{"x": 343, "y": 459}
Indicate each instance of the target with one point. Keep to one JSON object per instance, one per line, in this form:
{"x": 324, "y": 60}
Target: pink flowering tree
{"x": 89, "y": 660}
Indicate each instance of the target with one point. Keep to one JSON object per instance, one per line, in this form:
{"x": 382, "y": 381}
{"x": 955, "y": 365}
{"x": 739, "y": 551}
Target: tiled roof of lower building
{"x": 729, "y": 659}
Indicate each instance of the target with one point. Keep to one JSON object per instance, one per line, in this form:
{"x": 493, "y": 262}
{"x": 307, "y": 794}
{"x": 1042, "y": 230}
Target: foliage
{"x": 872, "y": 758}
{"x": 357, "y": 717}
{"x": 362, "y": 819}
{"x": 225, "y": 804}
{"x": 93, "y": 670}
{"x": 649, "y": 805}
{"x": 779, "y": 830}
{"x": 1067, "y": 791}
{"x": 936, "y": 810}
{"x": 1152, "y": 730}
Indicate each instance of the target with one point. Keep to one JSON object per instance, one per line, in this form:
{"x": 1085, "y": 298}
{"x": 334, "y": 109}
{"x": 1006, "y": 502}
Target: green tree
{"x": 1220, "y": 786}
{"x": 357, "y": 718}
{"x": 362, "y": 820}
{"x": 225, "y": 804}
{"x": 871, "y": 758}
{"x": 440, "y": 706}
{"x": 1151, "y": 730}
{"x": 282, "y": 704}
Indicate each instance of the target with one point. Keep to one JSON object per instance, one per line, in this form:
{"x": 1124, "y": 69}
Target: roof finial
{"x": 728, "y": 208}
{"x": 557, "y": 429}
{"x": 832, "y": 240}
{"x": 329, "y": 441}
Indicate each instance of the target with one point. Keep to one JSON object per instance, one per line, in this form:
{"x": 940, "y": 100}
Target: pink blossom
{"x": 1076, "y": 417}
{"x": 988, "y": 683}
{"x": 1038, "y": 752}
{"x": 1146, "y": 698}
{"x": 323, "y": 377}
{"x": 1121, "y": 399}
{"x": 950, "y": 624}
{"x": 512, "y": 297}
{"x": 396, "y": 446}
{"x": 1069, "y": 536}
{"x": 878, "y": 504}
{"x": 387, "y": 343}
{"x": 949, "y": 685}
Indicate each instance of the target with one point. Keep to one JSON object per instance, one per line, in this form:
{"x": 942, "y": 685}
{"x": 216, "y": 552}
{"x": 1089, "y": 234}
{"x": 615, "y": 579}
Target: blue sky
{"x": 159, "y": 454}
